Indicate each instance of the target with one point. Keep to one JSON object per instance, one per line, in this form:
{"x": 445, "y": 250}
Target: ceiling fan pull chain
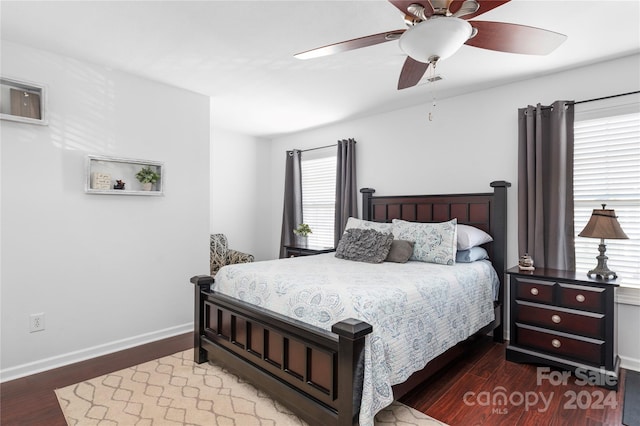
{"x": 431, "y": 79}
{"x": 433, "y": 109}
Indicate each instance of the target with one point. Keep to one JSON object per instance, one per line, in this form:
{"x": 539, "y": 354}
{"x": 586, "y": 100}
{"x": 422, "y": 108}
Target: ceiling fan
{"x": 438, "y": 28}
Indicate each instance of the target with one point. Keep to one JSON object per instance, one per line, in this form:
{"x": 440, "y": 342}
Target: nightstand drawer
{"x": 581, "y": 297}
{"x": 583, "y": 349}
{"x": 534, "y": 290}
{"x": 569, "y": 321}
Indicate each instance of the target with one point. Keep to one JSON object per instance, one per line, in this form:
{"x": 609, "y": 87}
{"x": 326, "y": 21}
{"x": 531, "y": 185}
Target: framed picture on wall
{"x": 22, "y": 101}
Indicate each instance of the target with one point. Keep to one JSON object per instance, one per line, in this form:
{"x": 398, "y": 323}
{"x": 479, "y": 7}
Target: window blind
{"x": 319, "y": 196}
{"x": 607, "y": 171}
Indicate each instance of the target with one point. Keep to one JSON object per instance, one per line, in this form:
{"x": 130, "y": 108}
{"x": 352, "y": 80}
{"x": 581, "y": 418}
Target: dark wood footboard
{"x": 312, "y": 371}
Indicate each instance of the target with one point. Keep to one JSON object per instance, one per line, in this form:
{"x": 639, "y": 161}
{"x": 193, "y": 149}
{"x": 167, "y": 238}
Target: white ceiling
{"x": 241, "y": 52}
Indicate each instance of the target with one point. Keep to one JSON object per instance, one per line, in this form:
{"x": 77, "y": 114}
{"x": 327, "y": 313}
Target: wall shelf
{"x": 103, "y": 174}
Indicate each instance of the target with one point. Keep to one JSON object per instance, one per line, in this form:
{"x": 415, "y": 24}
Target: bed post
{"x": 351, "y": 334}
{"x": 499, "y": 233}
{"x": 202, "y": 283}
{"x": 367, "y": 193}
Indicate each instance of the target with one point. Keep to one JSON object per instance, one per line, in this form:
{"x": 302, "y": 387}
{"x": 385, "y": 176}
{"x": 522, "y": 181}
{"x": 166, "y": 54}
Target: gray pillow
{"x": 364, "y": 245}
{"x": 400, "y": 252}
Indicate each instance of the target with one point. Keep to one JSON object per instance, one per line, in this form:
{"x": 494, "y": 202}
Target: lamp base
{"x": 601, "y": 270}
{"x": 604, "y": 274}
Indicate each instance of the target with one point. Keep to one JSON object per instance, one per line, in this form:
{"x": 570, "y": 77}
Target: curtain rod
{"x": 323, "y": 147}
{"x": 320, "y": 147}
{"x": 592, "y": 100}
{"x": 606, "y": 97}
{"x": 313, "y": 149}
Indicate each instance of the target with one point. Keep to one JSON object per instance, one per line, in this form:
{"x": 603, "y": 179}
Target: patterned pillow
{"x": 364, "y": 245}
{"x": 353, "y": 222}
{"x": 434, "y": 242}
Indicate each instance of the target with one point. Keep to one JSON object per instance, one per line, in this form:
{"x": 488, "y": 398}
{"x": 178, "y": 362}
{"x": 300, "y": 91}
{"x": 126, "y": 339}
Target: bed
{"x": 321, "y": 369}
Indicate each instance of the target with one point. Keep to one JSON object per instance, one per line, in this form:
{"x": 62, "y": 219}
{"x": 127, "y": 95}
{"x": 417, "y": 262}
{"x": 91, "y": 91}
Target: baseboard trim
{"x": 629, "y": 363}
{"x": 92, "y": 352}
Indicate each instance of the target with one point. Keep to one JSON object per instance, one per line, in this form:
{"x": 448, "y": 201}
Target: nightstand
{"x": 565, "y": 320}
{"x": 305, "y": 250}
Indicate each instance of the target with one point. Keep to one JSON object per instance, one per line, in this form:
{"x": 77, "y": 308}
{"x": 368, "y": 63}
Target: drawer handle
{"x": 556, "y": 343}
{"x": 534, "y": 291}
{"x": 580, "y": 298}
{"x": 556, "y": 319}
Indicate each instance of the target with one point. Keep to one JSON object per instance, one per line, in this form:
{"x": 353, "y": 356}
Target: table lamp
{"x": 603, "y": 224}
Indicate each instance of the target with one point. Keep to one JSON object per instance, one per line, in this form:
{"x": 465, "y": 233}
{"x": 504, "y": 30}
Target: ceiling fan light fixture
{"x": 437, "y": 38}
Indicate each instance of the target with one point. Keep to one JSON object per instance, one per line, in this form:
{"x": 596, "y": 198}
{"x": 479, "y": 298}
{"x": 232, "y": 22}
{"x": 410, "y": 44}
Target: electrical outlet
{"x": 36, "y": 322}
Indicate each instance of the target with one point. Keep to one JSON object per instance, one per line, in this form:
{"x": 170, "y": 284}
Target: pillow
{"x": 471, "y": 255}
{"x": 434, "y": 242}
{"x": 470, "y": 236}
{"x": 364, "y": 245}
{"x": 400, "y": 252}
{"x": 353, "y": 222}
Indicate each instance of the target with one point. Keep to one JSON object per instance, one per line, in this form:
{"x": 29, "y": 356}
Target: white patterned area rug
{"x": 175, "y": 391}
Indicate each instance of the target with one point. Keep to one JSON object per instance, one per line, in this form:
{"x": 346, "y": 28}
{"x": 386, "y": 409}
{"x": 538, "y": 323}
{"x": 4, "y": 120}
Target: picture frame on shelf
{"x": 123, "y": 176}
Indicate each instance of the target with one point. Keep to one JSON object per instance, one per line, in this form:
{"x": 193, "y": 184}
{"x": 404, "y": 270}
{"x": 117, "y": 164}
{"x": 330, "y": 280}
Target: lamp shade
{"x": 603, "y": 224}
{"x": 437, "y": 38}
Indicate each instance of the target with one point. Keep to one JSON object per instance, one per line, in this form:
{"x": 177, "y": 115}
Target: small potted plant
{"x": 303, "y": 230}
{"x": 147, "y": 178}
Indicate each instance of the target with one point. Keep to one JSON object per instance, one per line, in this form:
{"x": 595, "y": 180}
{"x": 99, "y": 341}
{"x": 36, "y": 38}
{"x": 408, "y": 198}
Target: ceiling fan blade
{"x": 485, "y": 6}
{"x": 412, "y": 72}
{"x": 353, "y": 44}
{"x": 403, "y": 5}
{"x": 513, "y": 38}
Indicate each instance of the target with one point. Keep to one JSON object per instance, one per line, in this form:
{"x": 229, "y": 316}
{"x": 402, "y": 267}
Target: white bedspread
{"x": 418, "y": 310}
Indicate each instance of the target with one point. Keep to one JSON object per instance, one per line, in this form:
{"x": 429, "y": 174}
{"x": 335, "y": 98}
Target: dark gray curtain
{"x": 346, "y": 187}
{"x": 292, "y": 210}
{"x": 545, "y": 185}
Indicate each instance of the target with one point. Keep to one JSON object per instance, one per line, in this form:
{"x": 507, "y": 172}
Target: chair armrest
{"x": 235, "y": 256}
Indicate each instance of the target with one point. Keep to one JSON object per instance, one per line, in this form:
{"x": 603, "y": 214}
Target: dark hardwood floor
{"x": 31, "y": 400}
{"x": 481, "y": 375}
{"x": 469, "y": 394}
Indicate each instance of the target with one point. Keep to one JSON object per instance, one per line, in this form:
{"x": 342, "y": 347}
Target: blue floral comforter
{"x": 418, "y": 310}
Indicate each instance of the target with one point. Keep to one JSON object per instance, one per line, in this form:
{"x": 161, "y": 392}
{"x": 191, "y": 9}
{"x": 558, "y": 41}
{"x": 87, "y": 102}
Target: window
{"x": 607, "y": 171}
{"x": 319, "y": 194}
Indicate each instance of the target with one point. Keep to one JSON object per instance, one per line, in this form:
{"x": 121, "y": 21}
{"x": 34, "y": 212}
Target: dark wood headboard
{"x": 487, "y": 211}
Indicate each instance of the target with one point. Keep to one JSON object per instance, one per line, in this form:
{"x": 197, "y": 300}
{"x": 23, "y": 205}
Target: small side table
{"x": 305, "y": 250}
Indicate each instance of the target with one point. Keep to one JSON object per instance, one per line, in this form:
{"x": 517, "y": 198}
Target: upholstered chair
{"x": 222, "y": 255}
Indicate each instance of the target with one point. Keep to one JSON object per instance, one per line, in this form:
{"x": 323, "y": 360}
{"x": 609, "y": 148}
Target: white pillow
{"x": 470, "y": 236}
{"x": 353, "y": 222}
{"x": 434, "y": 242}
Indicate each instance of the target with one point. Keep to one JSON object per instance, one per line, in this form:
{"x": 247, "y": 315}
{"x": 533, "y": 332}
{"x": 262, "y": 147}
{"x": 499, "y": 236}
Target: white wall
{"x": 89, "y": 261}
{"x": 471, "y": 142}
{"x": 239, "y": 190}
{"x": 108, "y": 271}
